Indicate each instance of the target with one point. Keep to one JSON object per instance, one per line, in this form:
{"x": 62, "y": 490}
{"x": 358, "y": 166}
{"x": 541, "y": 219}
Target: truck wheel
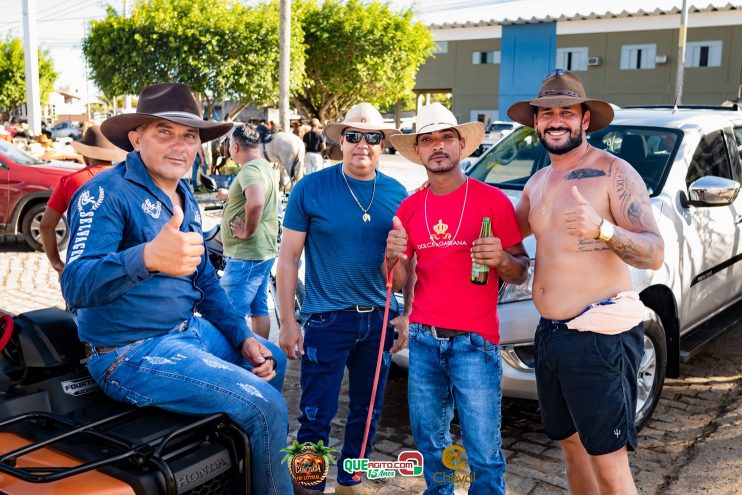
{"x": 32, "y": 234}
{"x": 652, "y": 367}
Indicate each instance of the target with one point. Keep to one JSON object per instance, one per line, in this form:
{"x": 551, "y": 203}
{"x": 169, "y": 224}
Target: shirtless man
{"x": 591, "y": 216}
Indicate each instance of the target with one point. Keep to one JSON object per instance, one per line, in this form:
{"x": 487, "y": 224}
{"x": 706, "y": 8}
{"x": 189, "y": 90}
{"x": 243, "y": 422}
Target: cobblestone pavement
{"x": 691, "y": 445}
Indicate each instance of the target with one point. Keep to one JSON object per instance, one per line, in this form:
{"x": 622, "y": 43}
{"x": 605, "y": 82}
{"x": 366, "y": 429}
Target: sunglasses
{"x": 554, "y": 73}
{"x": 371, "y": 138}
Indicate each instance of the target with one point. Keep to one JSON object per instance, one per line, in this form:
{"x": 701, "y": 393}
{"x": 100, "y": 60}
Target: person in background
{"x": 99, "y": 154}
{"x": 250, "y": 229}
{"x": 315, "y": 145}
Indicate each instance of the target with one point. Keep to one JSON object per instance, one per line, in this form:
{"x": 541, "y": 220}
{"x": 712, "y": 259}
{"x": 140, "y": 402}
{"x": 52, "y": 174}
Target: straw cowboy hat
{"x": 363, "y": 116}
{"x": 44, "y": 141}
{"x": 561, "y": 88}
{"x": 169, "y": 101}
{"x": 436, "y": 117}
{"x": 94, "y": 145}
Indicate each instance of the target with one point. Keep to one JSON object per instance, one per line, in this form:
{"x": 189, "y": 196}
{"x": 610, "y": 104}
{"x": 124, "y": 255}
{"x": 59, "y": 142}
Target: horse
{"x": 286, "y": 149}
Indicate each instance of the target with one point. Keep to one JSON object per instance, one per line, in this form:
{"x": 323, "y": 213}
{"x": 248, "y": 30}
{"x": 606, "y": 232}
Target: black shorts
{"x": 587, "y": 383}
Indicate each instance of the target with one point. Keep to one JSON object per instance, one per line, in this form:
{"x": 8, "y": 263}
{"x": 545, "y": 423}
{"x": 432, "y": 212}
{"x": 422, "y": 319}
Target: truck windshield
{"x": 511, "y": 162}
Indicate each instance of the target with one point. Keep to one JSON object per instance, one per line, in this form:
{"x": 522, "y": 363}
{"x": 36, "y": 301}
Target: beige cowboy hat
{"x": 169, "y": 101}
{"x": 363, "y": 116}
{"x": 436, "y": 117}
{"x": 95, "y": 145}
{"x": 561, "y": 88}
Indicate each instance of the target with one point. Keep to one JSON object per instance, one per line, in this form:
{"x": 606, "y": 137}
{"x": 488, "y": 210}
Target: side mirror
{"x": 711, "y": 191}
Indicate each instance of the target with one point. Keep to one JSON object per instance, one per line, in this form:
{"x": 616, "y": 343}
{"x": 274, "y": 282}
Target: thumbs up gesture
{"x": 396, "y": 242}
{"x": 582, "y": 220}
{"x": 174, "y": 252}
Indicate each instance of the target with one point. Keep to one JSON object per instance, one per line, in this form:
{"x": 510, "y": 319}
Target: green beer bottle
{"x": 480, "y": 273}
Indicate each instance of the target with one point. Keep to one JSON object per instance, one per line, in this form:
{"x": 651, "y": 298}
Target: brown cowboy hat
{"x": 169, "y": 101}
{"x": 94, "y": 145}
{"x": 363, "y": 116}
{"x": 436, "y": 117}
{"x": 561, "y": 88}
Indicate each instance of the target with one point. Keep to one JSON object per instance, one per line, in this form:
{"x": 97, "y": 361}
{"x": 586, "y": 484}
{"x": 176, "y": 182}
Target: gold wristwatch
{"x": 605, "y": 231}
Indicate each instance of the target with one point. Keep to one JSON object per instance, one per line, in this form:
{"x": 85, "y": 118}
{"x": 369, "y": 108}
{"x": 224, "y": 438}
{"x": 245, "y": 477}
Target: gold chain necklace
{"x": 440, "y": 221}
{"x": 545, "y": 204}
{"x": 366, "y": 217}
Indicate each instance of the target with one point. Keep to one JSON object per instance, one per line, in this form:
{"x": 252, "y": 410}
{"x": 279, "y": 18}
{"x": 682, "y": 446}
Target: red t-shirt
{"x": 444, "y": 295}
{"x": 69, "y": 184}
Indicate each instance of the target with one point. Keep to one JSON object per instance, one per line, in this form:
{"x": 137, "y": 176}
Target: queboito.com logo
{"x": 408, "y": 463}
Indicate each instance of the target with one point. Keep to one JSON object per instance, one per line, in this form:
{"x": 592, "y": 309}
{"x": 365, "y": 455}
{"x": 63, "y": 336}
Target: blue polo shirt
{"x": 343, "y": 254}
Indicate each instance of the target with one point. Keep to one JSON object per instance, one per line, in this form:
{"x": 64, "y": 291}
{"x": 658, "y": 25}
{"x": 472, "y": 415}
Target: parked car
{"x": 493, "y": 133}
{"x": 690, "y": 162}
{"x": 26, "y": 184}
{"x": 67, "y": 129}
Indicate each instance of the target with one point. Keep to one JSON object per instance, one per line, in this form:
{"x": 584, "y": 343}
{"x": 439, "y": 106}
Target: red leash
{"x": 389, "y": 275}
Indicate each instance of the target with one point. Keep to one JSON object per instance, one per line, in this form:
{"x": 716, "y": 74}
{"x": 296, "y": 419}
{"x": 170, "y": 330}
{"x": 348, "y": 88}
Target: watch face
{"x": 606, "y": 231}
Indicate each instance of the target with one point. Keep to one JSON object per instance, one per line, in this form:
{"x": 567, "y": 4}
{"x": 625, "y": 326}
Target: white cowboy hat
{"x": 436, "y": 117}
{"x": 363, "y": 116}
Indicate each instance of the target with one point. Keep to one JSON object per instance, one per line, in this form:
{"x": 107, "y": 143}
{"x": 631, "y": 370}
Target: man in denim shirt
{"x": 137, "y": 274}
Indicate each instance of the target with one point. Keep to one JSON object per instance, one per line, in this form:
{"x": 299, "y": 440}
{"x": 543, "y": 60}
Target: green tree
{"x": 13, "y": 74}
{"x": 358, "y": 51}
{"x": 223, "y": 49}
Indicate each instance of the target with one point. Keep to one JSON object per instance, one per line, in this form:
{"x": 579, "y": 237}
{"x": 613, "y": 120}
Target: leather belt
{"x": 361, "y": 309}
{"x": 100, "y": 350}
{"x": 443, "y": 333}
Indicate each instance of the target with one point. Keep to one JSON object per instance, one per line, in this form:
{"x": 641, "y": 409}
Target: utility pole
{"x": 681, "y": 54}
{"x": 31, "y": 57}
{"x": 284, "y": 48}
{"x": 87, "y": 82}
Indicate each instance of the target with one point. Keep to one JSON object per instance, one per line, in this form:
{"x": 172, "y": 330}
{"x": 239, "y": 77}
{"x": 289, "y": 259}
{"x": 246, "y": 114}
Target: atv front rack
{"x": 150, "y": 452}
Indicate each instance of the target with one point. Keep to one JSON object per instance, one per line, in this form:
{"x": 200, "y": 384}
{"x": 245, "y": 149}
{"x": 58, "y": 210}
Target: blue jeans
{"x": 246, "y": 285}
{"x": 465, "y": 370}
{"x": 333, "y": 341}
{"x": 195, "y": 370}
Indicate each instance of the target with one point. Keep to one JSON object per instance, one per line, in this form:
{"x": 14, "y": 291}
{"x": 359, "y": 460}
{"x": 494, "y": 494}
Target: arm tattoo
{"x": 588, "y": 246}
{"x": 633, "y": 200}
{"x": 585, "y": 173}
{"x": 637, "y": 250}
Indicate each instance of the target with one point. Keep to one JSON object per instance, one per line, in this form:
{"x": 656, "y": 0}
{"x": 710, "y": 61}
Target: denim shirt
{"x": 119, "y": 301}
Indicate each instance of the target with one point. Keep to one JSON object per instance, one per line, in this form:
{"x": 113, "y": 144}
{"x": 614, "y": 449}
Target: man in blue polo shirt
{"x": 341, "y": 216}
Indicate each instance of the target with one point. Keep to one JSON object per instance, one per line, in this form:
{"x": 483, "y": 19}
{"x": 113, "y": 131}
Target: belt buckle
{"x": 363, "y": 309}
{"x": 435, "y": 334}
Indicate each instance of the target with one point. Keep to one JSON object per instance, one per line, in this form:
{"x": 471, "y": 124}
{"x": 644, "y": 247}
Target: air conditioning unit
{"x": 660, "y": 59}
{"x": 594, "y": 61}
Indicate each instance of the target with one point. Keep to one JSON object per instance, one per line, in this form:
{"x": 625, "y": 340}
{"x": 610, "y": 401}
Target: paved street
{"x": 692, "y": 445}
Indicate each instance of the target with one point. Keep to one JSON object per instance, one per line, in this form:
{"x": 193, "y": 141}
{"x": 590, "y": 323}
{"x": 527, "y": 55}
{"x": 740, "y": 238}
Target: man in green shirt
{"x": 250, "y": 229}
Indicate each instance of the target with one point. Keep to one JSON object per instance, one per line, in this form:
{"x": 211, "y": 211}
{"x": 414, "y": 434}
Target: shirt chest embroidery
{"x": 151, "y": 209}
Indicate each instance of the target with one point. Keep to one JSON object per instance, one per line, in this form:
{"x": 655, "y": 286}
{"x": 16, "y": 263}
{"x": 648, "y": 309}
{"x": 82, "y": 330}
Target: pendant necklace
{"x": 461, "y": 217}
{"x": 366, "y": 217}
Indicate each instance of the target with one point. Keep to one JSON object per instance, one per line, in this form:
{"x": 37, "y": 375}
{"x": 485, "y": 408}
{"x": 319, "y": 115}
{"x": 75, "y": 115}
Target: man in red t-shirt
{"x": 99, "y": 153}
{"x": 453, "y": 333}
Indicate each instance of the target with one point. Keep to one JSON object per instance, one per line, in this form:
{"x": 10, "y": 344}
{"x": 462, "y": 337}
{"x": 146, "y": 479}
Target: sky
{"x": 61, "y": 26}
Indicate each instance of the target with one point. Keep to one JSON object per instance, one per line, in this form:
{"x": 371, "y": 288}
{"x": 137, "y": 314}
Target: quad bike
{"x": 60, "y": 434}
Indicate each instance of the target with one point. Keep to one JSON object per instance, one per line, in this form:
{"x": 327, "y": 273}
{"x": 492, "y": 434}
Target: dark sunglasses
{"x": 554, "y": 73}
{"x": 370, "y": 137}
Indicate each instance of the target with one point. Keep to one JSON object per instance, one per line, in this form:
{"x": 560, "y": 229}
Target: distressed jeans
{"x": 332, "y": 342}
{"x": 466, "y": 371}
{"x": 195, "y": 370}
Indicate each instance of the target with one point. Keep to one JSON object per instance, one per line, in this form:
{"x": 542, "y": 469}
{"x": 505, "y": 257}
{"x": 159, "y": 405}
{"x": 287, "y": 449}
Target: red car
{"x": 26, "y": 183}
